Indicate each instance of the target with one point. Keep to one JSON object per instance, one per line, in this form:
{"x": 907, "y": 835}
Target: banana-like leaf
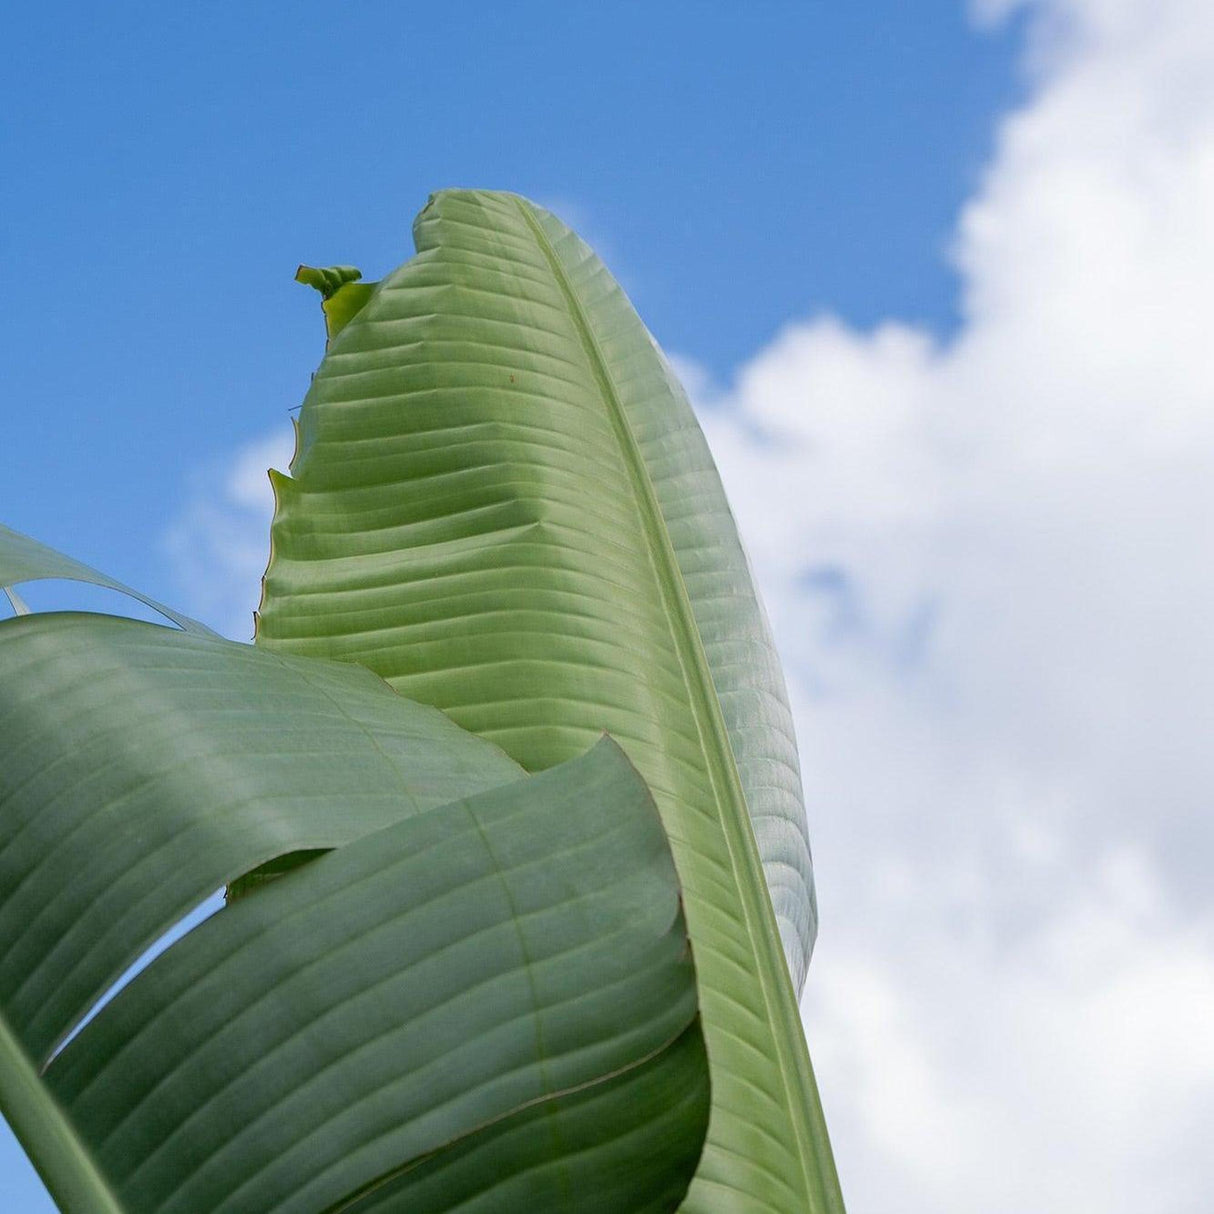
{"x": 502, "y": 503}
{"x": 23, "y": 559}
{"x": 480, "y": 996}
{"x": 143, "y": 768}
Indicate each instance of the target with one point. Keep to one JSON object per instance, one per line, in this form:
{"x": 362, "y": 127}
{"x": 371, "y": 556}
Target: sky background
{"x": 938, "y": 278}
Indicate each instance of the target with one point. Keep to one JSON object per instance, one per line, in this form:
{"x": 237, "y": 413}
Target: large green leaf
{"x": 140, "y": 768}
{"x": 156, "y": 767}
{"x": 502, "y": 503}
{"x": 421, "y": 989}
{"x": 484, "y": 991}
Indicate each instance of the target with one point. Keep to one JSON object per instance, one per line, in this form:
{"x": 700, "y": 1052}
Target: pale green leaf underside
{"x": 501, "y": 502}
{"x": 23, "y": 559}
{"x": 470, "y": 998}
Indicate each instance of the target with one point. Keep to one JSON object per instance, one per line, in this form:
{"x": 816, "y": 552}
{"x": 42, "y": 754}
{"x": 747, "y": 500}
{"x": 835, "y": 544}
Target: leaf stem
{"x": 49, "y": 1138}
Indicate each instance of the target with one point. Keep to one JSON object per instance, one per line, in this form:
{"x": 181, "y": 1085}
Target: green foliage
{"x": 458, "y": 973}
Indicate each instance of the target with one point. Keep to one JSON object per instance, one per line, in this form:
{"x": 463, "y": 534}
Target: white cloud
{"x": 220, "y": 542}
{"x": 988, "y": 564}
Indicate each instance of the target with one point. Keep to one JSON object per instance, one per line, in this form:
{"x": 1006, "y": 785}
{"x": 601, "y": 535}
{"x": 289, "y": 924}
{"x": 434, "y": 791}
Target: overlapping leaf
{"x": 23, "y": 559}
{"x": 482, "y": 988}
{"x": 457, "y": 983}
{"x": 501, "y": 502}
{"x": 144, "y": 768}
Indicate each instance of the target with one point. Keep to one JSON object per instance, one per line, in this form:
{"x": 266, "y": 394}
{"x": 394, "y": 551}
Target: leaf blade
{"x": 488, "y": 508}
{"x": 23, "y": 559}
{"x": 157, "y": 766}
{"x": 370, "y": 1009}
{"x": 121, "y": 1116}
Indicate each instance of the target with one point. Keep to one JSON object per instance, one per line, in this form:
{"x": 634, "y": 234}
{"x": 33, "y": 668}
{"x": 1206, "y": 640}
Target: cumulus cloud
{"x": 220, "y": 542}
{"x": 987, "y": 563}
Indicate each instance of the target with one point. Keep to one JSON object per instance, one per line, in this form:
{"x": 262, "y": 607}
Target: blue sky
{"x": 166, "y": 167}
{"x": 938, "y": 276}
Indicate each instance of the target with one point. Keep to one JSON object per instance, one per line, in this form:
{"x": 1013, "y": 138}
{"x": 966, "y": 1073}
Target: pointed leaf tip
{"x": 327, "y": 279}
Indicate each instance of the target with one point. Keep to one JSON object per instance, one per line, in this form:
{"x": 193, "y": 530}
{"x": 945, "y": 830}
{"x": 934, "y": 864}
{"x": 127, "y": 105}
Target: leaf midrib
{"x": 706, "y": 711}
{"x": 40, "y": 1124}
